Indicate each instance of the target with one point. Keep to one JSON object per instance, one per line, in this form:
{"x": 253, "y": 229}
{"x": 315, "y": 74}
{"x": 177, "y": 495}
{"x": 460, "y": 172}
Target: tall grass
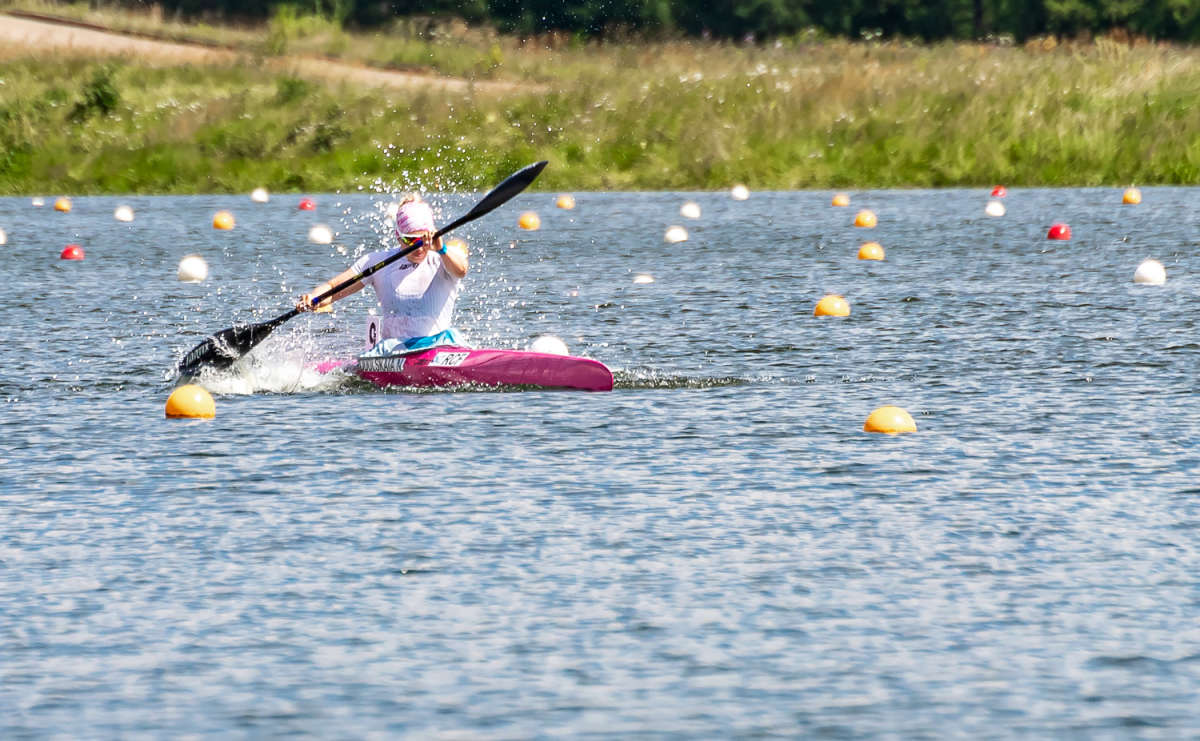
{"x": 668, "y": 115}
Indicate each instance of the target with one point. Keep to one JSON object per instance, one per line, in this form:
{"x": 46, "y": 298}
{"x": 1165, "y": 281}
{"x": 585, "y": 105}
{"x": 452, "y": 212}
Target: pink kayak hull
{"x": 458, "y": 366}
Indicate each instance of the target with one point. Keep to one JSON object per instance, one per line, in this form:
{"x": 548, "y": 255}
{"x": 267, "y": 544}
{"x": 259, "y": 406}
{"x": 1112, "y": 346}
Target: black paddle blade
{"x": 222, "y": 349}
{"x": 498, "y": 196}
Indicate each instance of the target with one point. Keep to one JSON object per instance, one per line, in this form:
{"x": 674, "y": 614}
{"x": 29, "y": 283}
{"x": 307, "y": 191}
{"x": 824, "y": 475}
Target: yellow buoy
{"x": 191, "y": 401}
{"x": 62, "y": 204}
{"x": 530, "y": 221}
{"x": 565, "y": 202}
{"x": 870, "y": 251}
{"x": 1132, "y": 196}
{"x": 841, "y": 199}
{"x": 865, "y": 218}
{"x": 222, "y": 220}
{"x": 890, "y": 421}
{"x": 455, "y": 242}
{"x": 832, "y": 305}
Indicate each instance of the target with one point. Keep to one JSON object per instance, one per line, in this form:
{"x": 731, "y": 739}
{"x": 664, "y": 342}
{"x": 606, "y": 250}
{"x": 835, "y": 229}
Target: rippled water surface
{"x": 714, "y": 549}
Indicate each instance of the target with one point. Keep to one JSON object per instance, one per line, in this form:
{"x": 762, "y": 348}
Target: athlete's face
{"x": 417, "y": 255}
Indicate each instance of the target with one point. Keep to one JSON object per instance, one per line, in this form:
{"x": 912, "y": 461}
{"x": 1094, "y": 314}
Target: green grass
{"x": 662, "y": 115}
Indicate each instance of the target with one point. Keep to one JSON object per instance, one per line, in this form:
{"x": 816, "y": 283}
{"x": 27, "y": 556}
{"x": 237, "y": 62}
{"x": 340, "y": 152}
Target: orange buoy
{"x": 307, "y": 204}
{"x": 841, "y": 199}
{"x": 63, "y": 205}
{"x": 1132, "y": 196}
{"x": 72, "y": 252}
{"x": 865, "y": 219}
{"x": 530, "y": 221}
{"x": 889, "y": 420}
{"x": 999, "y": 191}
{"x": 832, "y": 305}
{"x": 870, "y": 251}
{"x": 191, "y": 401}
{"x": 222, "y": 220}
{"x": 565, "y": 202}
{"x": 1059, "y": 231}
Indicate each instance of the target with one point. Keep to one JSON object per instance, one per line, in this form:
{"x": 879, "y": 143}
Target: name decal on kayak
{"x": 449, "y": 359}
{"x": 381, "y": 365}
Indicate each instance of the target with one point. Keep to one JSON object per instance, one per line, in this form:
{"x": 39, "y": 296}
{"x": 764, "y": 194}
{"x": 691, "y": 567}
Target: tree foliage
{"x": 928, "y": 20}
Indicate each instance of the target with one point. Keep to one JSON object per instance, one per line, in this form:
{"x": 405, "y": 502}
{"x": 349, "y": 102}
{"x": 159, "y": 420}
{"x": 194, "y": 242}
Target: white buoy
{"x": 3, "y": 237}
{"x": 739, "y": 193}
{"x": 549, "y": 344}
{"x": 192, "y": 269}
{"x": 994, "y": 208}
{"x": 320, "y": 234}
{"x": 260, "y": 195}
{"x": 690, "y": 210}
{"x": 676, "y": 234}
{"x": 643, "y": 278}
{"x": 1151, "y": 273}
{"x": 38, "y": 201}
{"x": 123, "y": 213}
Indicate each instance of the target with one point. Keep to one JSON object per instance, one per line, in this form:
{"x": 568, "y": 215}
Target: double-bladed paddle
{"x": 223, "y": 348}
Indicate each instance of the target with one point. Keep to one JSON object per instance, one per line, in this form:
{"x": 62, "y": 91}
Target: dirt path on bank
{"x": 19, "y": 36}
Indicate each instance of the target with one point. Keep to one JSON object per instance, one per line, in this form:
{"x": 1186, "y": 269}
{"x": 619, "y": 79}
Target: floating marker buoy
{"x": 870, "y": 251}
{"x": 565, "y": 202}
{"x": 307, "y": 204}
{"x": 123, "y": 213}
{"x": 455, "y": 242}
{"x": 1132, "y": 196}
{"x": 841, "y": 199}
{"x": 192, "y": 269}
{"x": 71, "y": 252}
{"x": 1059, "y": 231}
{"x": 63, "y": 205}
{"x": 191, "y": 402}
{"x": 38, "y": 201}
{"x": 643, "y": 278}
{"x": 739, "y": 193}
{"x": 260, "y": 195}
{"x": 549, "y": 344}
{"x": 865, "y": 219}
{"x": 832, "y": 305}
{"x": 320, "y": 234}
{"x": 675, "y": 234}
{"x": 1151, "y": 273}
{"x": 3, "y": 237}
{"x": 890, "y": 420}
{"x": 223, "y": 220}
{"x": 999, "y": 191}
{"x": 690, "y": 210}
{"x": 994, "y": 208}
{"x": 530, "y": 221}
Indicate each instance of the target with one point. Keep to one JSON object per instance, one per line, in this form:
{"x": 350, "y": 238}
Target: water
{"x": 714, "y": 549}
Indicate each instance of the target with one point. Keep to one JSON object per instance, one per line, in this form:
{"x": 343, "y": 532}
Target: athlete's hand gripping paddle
{"x": 222, "y": 349}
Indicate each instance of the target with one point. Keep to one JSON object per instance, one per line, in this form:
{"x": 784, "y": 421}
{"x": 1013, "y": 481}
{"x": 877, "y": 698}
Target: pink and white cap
{"x": 413, "y": 217}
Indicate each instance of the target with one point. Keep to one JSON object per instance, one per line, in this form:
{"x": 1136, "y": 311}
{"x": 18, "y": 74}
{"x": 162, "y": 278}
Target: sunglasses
{"x": 412, "y": 240}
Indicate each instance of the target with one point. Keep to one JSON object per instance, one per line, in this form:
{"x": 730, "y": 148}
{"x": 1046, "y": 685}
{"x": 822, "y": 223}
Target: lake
{"x": 715, "y": 549}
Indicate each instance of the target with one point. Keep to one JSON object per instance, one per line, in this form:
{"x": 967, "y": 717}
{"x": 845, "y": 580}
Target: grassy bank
{"x": 670, "y": 115}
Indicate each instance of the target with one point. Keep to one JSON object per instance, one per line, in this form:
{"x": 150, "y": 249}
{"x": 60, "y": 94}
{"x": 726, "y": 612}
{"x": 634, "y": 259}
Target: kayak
{"x": 451, "y": 365}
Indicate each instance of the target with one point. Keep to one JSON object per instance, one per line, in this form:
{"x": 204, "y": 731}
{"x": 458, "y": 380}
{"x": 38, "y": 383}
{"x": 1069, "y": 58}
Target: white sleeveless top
{"x": 417, "y": 300}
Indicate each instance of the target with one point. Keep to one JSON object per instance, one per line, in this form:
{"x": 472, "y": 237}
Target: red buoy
{"x": 307, "y": 204}
{"x": 1059, "y": 231}
{"x": 999, "y": 191}
{"x": 72, "y": 252}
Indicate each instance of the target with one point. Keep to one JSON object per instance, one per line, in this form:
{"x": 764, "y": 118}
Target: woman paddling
{"x": 418, "y": 293}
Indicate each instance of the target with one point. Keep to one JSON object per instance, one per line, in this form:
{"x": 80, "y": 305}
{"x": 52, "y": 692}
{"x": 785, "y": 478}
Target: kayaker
{"x": 417, "y": 293}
